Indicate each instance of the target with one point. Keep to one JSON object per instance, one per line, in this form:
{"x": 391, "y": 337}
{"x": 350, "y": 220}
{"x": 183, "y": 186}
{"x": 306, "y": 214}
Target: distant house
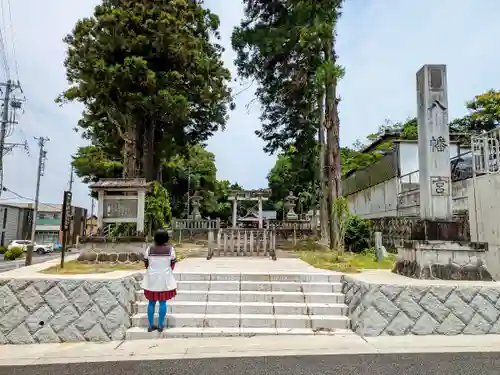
{"x": 15, "y": 223}
{"x": 48, "y": 222}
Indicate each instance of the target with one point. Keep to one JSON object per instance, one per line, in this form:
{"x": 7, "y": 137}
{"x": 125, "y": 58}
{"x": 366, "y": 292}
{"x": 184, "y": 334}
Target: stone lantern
{"x": 195, "y": 201}
{"x": 290, "y": 205}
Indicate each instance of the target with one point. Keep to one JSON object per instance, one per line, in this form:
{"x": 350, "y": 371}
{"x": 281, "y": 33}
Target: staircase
{"x": 249, "y": 304}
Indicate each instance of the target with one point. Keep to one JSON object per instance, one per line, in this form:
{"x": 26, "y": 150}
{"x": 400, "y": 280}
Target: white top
{"x": 159, "y": 276}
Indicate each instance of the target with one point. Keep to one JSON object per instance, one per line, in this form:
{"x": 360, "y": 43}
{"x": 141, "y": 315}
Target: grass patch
{"x": 74, "y": 267}
{"x": 321, "y": 257}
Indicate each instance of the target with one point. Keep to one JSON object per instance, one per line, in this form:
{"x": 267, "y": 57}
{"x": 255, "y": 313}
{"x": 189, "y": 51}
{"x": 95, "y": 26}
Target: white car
{"x": 41, "y": 249}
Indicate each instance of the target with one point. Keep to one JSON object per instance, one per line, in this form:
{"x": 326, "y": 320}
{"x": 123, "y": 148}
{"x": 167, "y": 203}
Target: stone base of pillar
{"x": 443, "y": 260}
{"x": 292, "y": 216}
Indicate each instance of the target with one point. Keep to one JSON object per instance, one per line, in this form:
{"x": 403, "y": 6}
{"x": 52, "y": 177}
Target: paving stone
{"x": 293, "y": 321}
{"x": 485, "y": 308}
{"x": 233, "y": 286}
{"x": 256, "y": 308}
{"x": 220, "y": 320}
{"x": 290, "y": 309}
{"x": 246, "y": 296}
{"x": 478, "y": 325}
{"x": 258, "y": 321}
{"x": 228, "y": 296}
{"x": 20, "y": 335}
{"x": 193, "y": 285}
{"x": 30, "y": 298}
{"x": 198, "y": 296}
{"x": 288, "y": 297}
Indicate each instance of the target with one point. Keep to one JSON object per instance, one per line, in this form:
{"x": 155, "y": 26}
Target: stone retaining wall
{"x": 408, "y": 309}
{"x": 50, "y": 310}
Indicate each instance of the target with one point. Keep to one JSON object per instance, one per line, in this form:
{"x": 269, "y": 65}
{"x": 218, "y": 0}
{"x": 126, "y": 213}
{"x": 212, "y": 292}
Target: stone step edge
{"x": 338, "y": 294}
{"x": 256, "y": 282}
{"x": 258, "y": 276}
{"x": 252, "y": 316}
{"x": 140, "y": 333}
{"x": 257, "y": 304}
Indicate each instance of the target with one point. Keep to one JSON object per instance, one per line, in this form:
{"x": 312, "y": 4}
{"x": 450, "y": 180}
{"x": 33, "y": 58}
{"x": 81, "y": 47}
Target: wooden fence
{"x": 242, "y": 242}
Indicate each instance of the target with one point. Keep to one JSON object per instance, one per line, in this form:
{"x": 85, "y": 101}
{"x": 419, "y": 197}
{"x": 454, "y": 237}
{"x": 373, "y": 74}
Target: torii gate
{"x": 259, "y": 195}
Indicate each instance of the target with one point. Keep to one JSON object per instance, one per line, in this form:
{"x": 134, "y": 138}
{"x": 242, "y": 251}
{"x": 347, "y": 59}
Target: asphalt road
{"x": 7, "y": 265}
{"x": 379, "y": 364}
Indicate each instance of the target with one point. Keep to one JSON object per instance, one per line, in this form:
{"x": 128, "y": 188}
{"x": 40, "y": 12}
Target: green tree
{"x": 278, "y": 45}
{"x": 150, "y": 79}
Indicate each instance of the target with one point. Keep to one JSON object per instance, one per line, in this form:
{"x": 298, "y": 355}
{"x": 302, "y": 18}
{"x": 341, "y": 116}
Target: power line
{"x": 14, "y": 55}
{"x": 26, "y": 198}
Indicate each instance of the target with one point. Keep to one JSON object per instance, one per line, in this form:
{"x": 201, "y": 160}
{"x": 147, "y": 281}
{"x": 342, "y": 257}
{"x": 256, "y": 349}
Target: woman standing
{"x": 159, "y": 283}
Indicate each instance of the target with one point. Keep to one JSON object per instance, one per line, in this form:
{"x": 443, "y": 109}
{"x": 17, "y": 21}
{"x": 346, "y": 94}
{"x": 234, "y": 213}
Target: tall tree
{"x": 150, "y": 78}
{"x": 271, "y": 50}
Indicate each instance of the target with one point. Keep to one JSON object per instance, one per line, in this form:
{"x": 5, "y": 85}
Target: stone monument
{"x": 433, "y": 143}
{"x": 121, "y": 200}
{"x": 437, "y": 254}
{"x": 290, "y": 205}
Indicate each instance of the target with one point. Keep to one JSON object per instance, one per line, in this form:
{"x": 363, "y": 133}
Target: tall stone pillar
{"x": 235, "y": 211}
{"x": 100, "y": 210}
{"x": 261, "y": 224}
{"x": 434, "y": 143}
{"x": 141, "y": 209}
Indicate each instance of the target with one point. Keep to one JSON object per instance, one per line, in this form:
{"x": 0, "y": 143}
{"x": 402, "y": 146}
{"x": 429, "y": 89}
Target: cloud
{"x": 382, "y": 44}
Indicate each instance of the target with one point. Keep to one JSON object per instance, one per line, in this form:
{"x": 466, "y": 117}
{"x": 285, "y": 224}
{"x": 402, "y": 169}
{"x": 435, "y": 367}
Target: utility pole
{"x": 188, "y": 194}
{"x": 41, "y": 169}
{"x": 16, "y": 104}
{"x": 71, "y": 179}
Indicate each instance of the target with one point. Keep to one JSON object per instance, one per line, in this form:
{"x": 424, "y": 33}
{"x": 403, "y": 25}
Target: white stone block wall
{"x": 65, "y": 310}
{"x": 419, "y": 309}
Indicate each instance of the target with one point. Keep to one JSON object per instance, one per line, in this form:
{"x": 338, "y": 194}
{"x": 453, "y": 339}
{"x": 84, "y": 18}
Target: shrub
{"x": 14, "y": 253}
{"x": 357, "y": 234}
{"x": 3, "y": 249}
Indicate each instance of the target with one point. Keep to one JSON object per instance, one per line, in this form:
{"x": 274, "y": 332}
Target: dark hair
{"x": 161, "y": 237}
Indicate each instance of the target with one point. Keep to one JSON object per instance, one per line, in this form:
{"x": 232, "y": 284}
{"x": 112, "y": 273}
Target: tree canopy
{"x": 150, "y": 78}
{"x": 154, "y": 88}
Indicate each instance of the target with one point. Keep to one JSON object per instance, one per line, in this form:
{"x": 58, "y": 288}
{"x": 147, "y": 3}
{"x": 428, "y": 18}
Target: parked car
{"x": 39, "y": 248}
{"x": 43, "y": 249}
{"x": 19, "y": 243}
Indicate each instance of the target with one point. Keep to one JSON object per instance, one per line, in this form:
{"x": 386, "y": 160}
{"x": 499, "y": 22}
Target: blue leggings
{"x": 161, "y": 313}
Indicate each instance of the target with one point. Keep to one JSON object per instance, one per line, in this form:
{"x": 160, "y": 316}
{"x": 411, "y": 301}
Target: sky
{"x": 381, "y": 44}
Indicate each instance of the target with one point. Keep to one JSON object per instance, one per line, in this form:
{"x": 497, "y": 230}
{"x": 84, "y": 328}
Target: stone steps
{"x": 283, "y": 308}
{"x": 249, "y": 304}
{"x": 314, "y": 322}
{"x": 139, "y": 333}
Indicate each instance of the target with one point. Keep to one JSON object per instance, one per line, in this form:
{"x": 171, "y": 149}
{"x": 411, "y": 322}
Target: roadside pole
{"x": 40, "y": 171}
{"x": 65, "y": 222}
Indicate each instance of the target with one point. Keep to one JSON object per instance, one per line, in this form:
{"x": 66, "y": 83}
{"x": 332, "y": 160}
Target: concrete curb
{"x": 258, "y": 346}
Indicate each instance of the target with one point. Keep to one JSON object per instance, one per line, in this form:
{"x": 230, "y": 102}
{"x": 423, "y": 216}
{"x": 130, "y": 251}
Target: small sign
{"x": 440, "y": 186}
{"x": 66, "y": 211}
{"x": 120, "y": 208}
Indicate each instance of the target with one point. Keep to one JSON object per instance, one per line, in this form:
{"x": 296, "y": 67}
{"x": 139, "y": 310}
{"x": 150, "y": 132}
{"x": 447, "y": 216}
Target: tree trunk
{"x": 323, "y": 208}
{"x": 148, "y": 153}
{"x": 129, "y": 154}
{"x": 333, "y": 149}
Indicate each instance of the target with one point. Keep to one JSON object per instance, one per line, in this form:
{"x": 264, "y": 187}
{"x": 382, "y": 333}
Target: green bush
{"x": 3, "y": 249}
{"x": 357, "y": 234}
{"x": 14, "y": 253}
